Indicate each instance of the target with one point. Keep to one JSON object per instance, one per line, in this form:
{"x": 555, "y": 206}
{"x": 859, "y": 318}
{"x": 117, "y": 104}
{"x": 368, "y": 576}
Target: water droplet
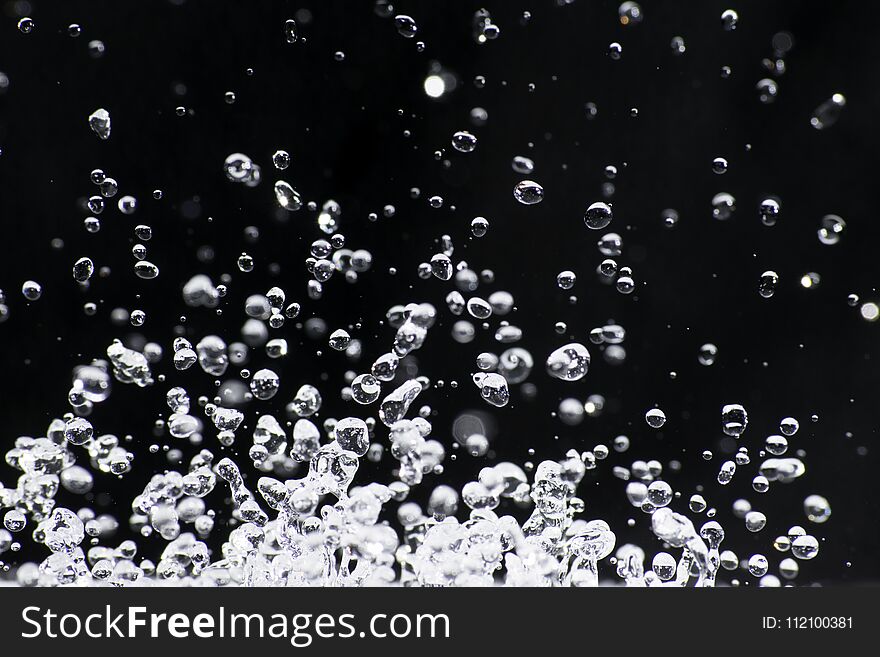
{"x": 719, "y": 165}
{"x": 528, "y": 192}
{"x": 493, "y": 388}
{"x": 339, "y": 340}
{"x": 789, "y": 426}
{"x": 287, "y": 197}
{"x": 566, "y": 280}
{"x": 291, "y": 33}
{"x": 755, "y": 521}
{"x": 146, "y": 270}
{"x": 817, "y": 509}
{"x": 734, "y": 420}
{"x": 479, "y": 226}
{"x": 769, "y": 210}
{"x": 464, "y": 142}
{"x": 598, "y": 216}
{"x": 281, "y": 160}
{"x": 26, "y": 25}
{"x": 83, "y": 270}
{"x": 708, "y": 353}
{"x": 523, "y": 165}
{"x": 406, "y": 26}
{"x": 655, "y": 418}
{"x": 31, "y": 290}
{"x": 365, "y": 389}
{"x": 99, "y": 122}
{"x": 569, "y": 363}
{"x": 805, "y": 547}
{"x": 767, "y": 284}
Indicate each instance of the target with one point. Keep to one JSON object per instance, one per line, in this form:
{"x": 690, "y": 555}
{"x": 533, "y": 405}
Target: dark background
{"x": 800, "y": 353}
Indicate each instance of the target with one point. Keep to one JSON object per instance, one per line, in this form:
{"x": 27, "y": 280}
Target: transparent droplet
{"x": 26, "y": 25}
{"x": 281, "y": 160}
{"x": 441, "y": 266}
{"x": 767, "y": 284}
{"x": 769, "y": 210}
{"x": 734, "y": 420}
{"x": 528, "y": 192}
{"x": 479, "y": 226}
{"x": 365, "y": 389}
{"x": 31, "y": 290}
{"x": 569, "y": 363}
{"x": 287, "y": 197}
{"x": 146, "y": 270}
{"x": 83, "y": 270}
{"x": 406, "y": 26}
{"x": 697, "y": 503}
{"x": 707, "y": 355}
{"x": 291, "y": 34}
{"x": 598, "y": 216}
{"x": 353, "y": 435}
{"x": 464, "y": 142}
{"x": 755, "y": 521}
{"x": 493, "y": 388}
{"x": 805, "y": 547}
{"x": 776, "y": 445}
{"x": 479, "y": 308}
{"x": 523, "y": 165}
{"x": 659, "y": 493}
{"x": 566, "y": 280}
{"x": 99, "y": 122}
{"x": 758, "y": 565}
{"x": 817, "y": 509}
{"x": 789, "y": 426}
{"x": 339, "y": 340}
{"x": 245, "y": 263}
{"x": 264, "y": 384}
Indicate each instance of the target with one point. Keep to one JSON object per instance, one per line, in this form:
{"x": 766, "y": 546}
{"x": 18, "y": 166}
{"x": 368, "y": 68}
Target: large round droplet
{"x": 528, "y": 192}
{"x": 598, "y": 216}
{"x": 406, "y": 26}
{"x": 655, "y": 418}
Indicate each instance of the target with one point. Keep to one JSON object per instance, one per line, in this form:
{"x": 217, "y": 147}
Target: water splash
{"x": 311, "y": 520}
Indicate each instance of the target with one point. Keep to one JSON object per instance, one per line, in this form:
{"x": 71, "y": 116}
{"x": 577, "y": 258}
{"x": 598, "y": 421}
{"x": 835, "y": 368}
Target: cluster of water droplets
{"x": 308, "y": 519}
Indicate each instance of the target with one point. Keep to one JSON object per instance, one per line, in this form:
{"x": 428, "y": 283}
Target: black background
{"x": 800, "y": 353}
